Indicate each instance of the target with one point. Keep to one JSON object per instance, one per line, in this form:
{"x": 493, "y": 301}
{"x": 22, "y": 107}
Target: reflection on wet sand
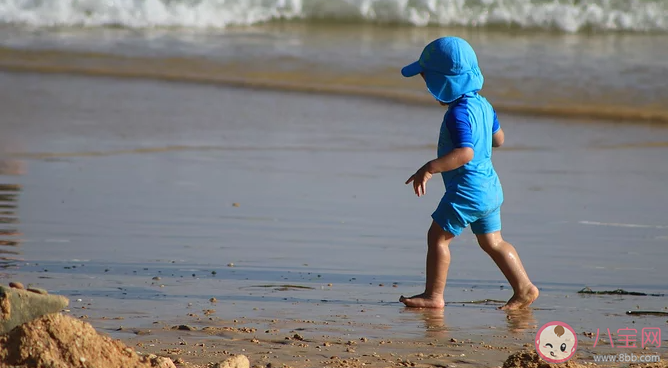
{"x": 434, "y": 321}
{"x": 9, "y": 195}
{"x": 519, "y": 321}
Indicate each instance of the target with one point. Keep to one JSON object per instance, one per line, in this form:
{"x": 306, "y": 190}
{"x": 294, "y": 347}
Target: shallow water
{"x": 614, "y": 76}
{"x": 122, "y": 181}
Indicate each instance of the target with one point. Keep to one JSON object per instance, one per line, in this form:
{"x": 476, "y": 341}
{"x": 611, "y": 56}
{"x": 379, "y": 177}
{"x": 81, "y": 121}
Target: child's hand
{"x": 419, "y": 180}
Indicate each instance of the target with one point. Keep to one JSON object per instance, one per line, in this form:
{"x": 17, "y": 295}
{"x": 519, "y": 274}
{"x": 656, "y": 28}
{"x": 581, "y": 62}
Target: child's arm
{"x": 498, "y": 138}
{"x": 453, "y": 160}
{"x": 459, "y": 128}
{"x": 457, "y": 158}
{"x": 497, "y": 133}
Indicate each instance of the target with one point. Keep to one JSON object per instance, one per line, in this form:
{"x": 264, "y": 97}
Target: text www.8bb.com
{"x": 627, "y": 358}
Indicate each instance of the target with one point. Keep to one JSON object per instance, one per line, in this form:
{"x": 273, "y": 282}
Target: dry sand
{"x": 56, "y": 340}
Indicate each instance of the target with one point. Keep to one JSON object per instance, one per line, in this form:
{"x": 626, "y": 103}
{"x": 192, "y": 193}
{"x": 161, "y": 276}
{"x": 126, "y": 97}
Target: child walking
{"x": 473, "y": 193}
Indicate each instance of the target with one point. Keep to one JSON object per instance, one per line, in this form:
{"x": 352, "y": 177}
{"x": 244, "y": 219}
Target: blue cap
{"x": 450, "y": 69}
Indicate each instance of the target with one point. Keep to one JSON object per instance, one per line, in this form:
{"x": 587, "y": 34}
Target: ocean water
{"x": 604, "y": 59}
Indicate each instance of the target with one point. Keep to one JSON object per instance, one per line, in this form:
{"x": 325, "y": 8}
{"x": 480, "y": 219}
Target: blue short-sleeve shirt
{"x": 470, "y": 122}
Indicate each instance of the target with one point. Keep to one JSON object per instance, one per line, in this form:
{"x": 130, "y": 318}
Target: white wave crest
{"x": 564, "y": 15}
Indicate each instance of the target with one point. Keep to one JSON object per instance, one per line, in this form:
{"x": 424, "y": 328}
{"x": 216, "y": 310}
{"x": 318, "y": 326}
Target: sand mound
{"x": 649, "y": 365}
{"x": 530, "y": 359}
{"x": 59, "y": 341}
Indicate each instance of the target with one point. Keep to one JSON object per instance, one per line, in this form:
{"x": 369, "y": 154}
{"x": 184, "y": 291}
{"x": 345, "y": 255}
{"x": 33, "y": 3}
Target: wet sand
{"x": 146, "y": 199}
{"x": 295, "y": 343}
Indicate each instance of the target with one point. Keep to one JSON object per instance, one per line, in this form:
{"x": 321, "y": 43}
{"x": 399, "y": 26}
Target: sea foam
{"x": 563, "y": 15}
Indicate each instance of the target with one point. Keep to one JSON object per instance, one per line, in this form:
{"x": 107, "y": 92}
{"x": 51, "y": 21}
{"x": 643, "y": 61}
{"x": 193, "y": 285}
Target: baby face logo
{"x": 556, "y": 342}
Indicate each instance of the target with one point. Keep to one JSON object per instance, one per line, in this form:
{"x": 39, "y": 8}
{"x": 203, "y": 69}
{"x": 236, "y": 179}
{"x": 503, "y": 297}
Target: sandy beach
{"x": 203, "y": 181}
{"x": 143, "y": 200}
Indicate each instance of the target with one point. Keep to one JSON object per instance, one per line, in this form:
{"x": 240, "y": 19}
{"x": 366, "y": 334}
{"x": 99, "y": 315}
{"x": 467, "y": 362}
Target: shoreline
{"x": 305, "y": 80}
{"x": 202, "y": 339}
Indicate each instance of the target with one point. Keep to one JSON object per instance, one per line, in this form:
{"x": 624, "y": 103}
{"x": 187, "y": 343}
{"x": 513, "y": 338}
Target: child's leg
{"x": 505, "y": 256}
{"x": 438, "y": 262}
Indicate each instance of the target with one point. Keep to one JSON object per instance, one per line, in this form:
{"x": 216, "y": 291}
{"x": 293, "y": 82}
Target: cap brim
{"x": 411, "y": 70}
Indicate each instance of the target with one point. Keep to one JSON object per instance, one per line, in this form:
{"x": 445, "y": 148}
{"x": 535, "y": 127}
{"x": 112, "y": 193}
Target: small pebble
{"x": 213, "y": 300}
{"x": 230, "y": 264}
{"x": 235, "y": 204}
{"x": 183, "y": 328}
{"x": 156, "y": 278}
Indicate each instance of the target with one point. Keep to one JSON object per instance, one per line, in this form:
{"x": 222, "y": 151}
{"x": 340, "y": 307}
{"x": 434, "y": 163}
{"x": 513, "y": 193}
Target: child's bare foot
{"x": 423, "y": 301}
{"x": 522, "y": 299}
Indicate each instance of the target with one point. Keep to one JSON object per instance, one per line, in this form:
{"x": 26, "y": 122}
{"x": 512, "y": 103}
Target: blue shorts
{"x": 456, "y": 212}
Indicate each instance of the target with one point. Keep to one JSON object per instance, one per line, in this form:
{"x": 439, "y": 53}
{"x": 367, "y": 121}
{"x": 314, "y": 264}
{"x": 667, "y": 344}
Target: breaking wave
{"x": 563, "y": 15}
